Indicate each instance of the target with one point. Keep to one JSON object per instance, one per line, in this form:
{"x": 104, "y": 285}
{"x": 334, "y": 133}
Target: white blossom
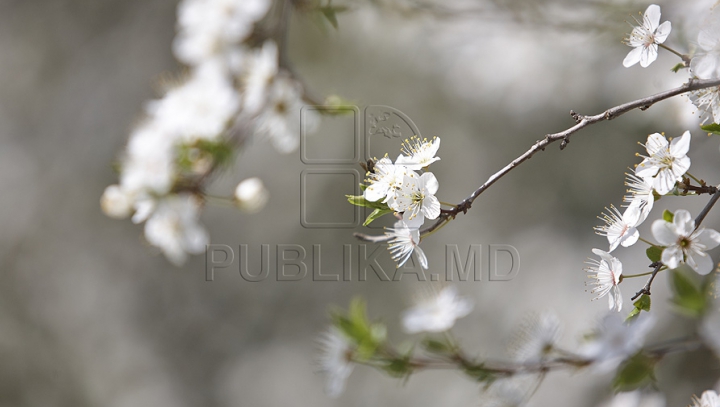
{"x": 200, "y": 108}
{"x": 251, "y": 195}
{"x": 608, "y": 271}
{"x": 684, "y": 244}
{"x": 708, "y": 103}
{"x": 417, "y": 196}
{"x": 437, "y": 313}
{"x": 262, "y": 68}
{"x": 640, "y": 190}
{"x": 384, "y": 181}
{"x": 404, "y": 241}
{"x": 149, "y": 162}
{"x": 615, "y": 340}
{"x": 417, "y": 154}
{"x": 709, "y": 398}
{"x": 645, "y": 38}
{"x": 666, "y": 163}
{"x": 175, "y": 229}
{"x": 536, "y": 337}
{"x": 335, "y": 360}
{"x": 705, "y": 64}
{"x": 116, "y": 202}
{"x": 207, "y": 28}
{"x": 620, "y": 229}
{"x": 636, "y": 399}
{"x": 280, "y": 119}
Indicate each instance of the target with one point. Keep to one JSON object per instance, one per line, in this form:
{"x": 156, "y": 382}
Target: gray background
{"x": 91, "y": 315}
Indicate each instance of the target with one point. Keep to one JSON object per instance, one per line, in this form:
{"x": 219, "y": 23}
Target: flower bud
{"x": 251, "y": 195}
{"x": 116, "y": 202}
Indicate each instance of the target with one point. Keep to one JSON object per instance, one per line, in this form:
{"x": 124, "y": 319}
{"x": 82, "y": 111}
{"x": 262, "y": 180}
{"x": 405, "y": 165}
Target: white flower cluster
{"x": 658, "y": 173}
{"x": 231, "y": 92}
{"x": 407, "y": 192}
{"x": 705, "y": 64}
{"x": 645, "y": 38}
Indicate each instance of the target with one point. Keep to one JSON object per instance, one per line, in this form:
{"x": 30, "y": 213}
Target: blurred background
{"x": 90, "y": 314}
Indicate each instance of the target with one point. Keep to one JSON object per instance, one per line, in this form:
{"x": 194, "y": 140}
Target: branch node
{"x": 578, "y": 117}
{"x": 564, "y": 143}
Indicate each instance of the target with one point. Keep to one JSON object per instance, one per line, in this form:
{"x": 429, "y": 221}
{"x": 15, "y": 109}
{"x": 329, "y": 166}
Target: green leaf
{"x": 641, "y": 304}
{"x": 330, "y": 14}
{"x": 712, "y": 128}
{"x": 688, "y": 298}
{"x": 479, "y": 373}
{"x": 668, "y": 216}
{"x": 436, "y": 346}
{"x": 376, "y": 214}
{"x": 654, "y": 253}
{"x": 399, "y": 367}
{"x": 678, "y": 67}
{"x": 359, "y": 200}
{"x": 635, "y": 372}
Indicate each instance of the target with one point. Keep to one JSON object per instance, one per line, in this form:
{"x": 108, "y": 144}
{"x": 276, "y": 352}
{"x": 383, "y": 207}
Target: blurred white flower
{"x": 615, "y": 341}
{"x": 536, "y": 337}
{"x": 200, "y": 108}
{"x": 207, "y": 28}
{"x": 608, "y": 271}
{"x": 705, "y": 64}
{"x": 708, "y": 103}
{"x": 417, "y": 154}
{"x": 666, "y": 163}
{"x": 640, "y": 191}
{"x": 509, "y": 392}
{"x": 175, "y": 229}
{"x": 404, "y": 240}
{"x": 684, "y": 244}
{"x": 384, "y": 181}
{"x": 251, "y": 195}
{"x": 417, "y": 196}
{"x": 149, "y": 162}
{"x": 116, "y": 202}
{"x": 281, "y": 118}
{"x": 709, "y": 398}
{"x": 437, "y": 313}
{"x": 620, "y": 229}
{"x": 262, "y": 67}
{"x": 645, "y": 38}
{"x": 335, "y": 360}
{"x": 636, "y": 399}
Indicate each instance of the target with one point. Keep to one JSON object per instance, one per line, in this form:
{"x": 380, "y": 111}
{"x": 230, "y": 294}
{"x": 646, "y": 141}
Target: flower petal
{"x": 672, "y": 256}
{"x": 664, "y": 232}
{"x": 703, "y": 265}
{"x": 652, "y": 17}
{"x": 633, "y": 57}
{"x": 680, "y": 145}
{"x": 648, "y": 55}
{"x": 655, "y": 143}
{"x": 662, "y": 32}
{"x": 709, "y": 238}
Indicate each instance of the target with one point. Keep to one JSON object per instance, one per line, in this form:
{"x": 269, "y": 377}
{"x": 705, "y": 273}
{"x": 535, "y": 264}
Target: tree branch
{"x": 564, "y": 137}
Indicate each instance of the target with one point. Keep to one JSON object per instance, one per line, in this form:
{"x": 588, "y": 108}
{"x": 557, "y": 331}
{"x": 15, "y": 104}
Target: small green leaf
{"x": 688, "y": 297}
{"x": 635, "y": 372}
{"x": 654, "y": 253}
{"x": 330, "y": 14}
{"x": 399, "y": 367}
{"x": 376, "y": 214}
{"x": 479, "y": 373}
{"x": 678, "y": 67}
{"x": 641, "y": 304}
{"x": 436, "y": 346}
{"x": 668, "y": 216}
{"x": 712, "y": 128}
{"x": 359, "y": 200}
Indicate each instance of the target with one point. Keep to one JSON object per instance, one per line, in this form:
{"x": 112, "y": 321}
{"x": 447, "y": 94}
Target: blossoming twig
{"x": 564, "y": 137}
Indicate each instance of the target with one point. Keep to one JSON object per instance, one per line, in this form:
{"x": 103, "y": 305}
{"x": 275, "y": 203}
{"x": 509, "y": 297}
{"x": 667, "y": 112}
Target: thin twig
{"x": 564, "y": 136}
{"x": 646, "y": 289}
{"x": 706, "y": 209}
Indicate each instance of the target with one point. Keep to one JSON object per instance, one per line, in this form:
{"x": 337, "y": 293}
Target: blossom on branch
{"x": 335, "y": 360}
{"x": 666, "y": 163}
{"x": 536, "y": 337}
{"x": 418, "y": 154}
{"x": 615, "y": 340}
{"x": 416, "y": 196}
{"x": 384, "y": 182}
{"x": 608, "y": 271}
{"x": 685, "y": 244}
{"x": 705, "y": 64}
{"x": 437, "y": 313}
{"x": 404, "y": 240}
{"x": 645, "y": 38}
{"x": 709, "y": 398}
{"x": 620, "y": 229}
{"x": 640, "y": 192}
